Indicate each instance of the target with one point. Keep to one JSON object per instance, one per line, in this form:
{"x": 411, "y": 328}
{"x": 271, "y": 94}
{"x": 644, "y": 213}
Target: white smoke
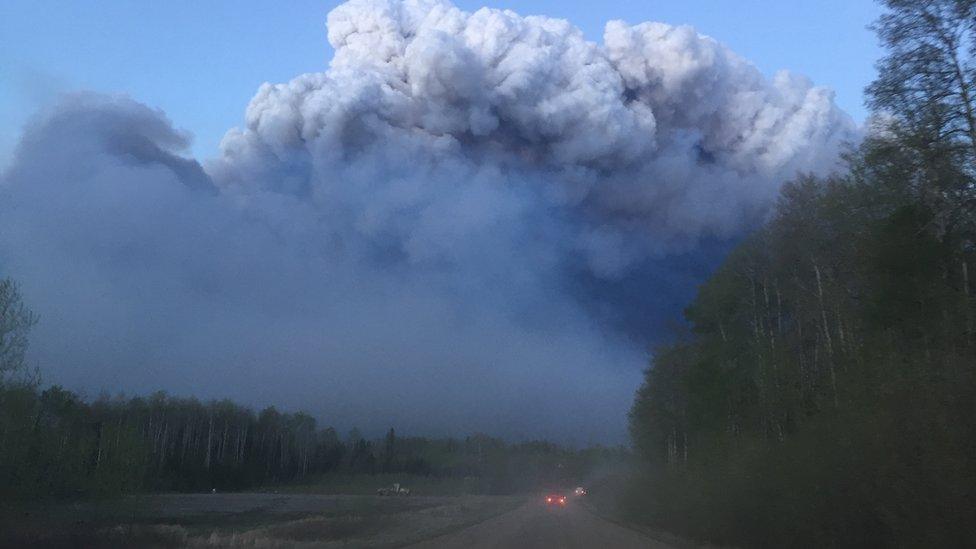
{"x": 423, "y": 236}
{"x": 650, "y": 141}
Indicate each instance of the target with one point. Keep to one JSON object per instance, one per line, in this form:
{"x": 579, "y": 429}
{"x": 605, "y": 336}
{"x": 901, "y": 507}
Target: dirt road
{"x": 537, "y": 525}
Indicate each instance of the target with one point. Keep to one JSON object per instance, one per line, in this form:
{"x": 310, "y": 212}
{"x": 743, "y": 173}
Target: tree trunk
{"x": 209, "y": 441}
{"x": 826, "y": 332}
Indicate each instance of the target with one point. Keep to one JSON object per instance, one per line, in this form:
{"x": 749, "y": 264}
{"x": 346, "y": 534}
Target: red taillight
{"x": 562, "y": 501}
{"x": 548, "y": 500}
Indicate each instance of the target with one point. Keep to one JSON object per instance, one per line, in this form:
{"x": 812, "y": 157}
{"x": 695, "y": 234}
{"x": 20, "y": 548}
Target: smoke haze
{"x": 468, "y": 222}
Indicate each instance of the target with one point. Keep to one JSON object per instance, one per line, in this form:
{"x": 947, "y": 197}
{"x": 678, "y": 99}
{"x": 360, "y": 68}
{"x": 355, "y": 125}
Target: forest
{"x": 824, "y": 392}
{"x": 56, "y": 446}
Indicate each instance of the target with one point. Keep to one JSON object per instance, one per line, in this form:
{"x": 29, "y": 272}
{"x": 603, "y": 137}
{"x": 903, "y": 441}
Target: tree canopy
{"x": 825, "y": 393}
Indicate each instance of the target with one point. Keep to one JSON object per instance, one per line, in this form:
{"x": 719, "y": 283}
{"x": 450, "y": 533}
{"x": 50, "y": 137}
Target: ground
{"x": 315, "y": 520}
{"x": 536, "y": 524}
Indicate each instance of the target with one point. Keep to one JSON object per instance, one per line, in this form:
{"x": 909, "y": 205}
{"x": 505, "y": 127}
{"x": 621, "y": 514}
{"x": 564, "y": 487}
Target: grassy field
{"x": 248, "y": 520}
{"x": 368, "y": 484}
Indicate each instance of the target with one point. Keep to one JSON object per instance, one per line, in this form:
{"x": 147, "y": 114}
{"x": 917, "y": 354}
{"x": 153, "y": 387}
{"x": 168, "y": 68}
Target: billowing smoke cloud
{"x": 441, "y": 232}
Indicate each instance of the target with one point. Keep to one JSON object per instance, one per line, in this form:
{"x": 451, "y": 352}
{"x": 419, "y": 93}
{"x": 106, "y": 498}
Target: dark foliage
{"x": 826, "y": 393}
{"x": 53, "y": 444}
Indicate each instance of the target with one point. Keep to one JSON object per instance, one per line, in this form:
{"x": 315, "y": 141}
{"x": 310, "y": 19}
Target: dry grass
{"x": 252, "y": 520}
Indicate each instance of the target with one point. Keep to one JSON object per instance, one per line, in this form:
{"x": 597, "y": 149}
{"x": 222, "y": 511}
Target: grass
{"x": 368, "y": 484}
{"x": 251, "y": 520}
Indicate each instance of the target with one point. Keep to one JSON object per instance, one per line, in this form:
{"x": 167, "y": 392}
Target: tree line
{"x": 53, "y": 443}
{"x": 56, "y": 444}
{"x": 824, "y": 393}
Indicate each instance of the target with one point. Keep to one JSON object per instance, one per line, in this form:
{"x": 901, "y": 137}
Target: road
{"x": 536, "y": 524}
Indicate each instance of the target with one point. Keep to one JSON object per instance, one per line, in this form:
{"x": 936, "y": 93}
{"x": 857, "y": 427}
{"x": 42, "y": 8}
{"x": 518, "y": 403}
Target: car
{"x": 556, "y": 499}
{"x": 580, "y": 491}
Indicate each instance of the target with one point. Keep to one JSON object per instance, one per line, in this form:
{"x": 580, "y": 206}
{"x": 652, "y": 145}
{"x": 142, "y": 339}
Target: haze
{"x": 469, "y": 221}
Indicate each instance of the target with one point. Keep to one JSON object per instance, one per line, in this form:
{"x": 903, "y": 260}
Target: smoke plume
{"x": 452, "y": 228}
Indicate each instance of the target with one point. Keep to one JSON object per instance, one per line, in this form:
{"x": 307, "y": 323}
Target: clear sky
{"x": 201, "y": 62}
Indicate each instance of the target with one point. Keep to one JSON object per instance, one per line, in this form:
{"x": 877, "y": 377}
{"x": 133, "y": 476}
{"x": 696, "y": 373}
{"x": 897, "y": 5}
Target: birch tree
{"x": 16, "y": 321}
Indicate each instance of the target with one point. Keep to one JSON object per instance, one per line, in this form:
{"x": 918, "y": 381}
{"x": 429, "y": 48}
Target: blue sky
{"x": 201, "y": 62}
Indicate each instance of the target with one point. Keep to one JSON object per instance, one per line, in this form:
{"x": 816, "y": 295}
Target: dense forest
{"x": 55, "y": 444}
{"x": 824, "y": 394}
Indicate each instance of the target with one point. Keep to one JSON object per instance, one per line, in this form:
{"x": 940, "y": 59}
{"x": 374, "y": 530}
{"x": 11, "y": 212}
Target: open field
{"x": 364, "y": 484}
{"x": 250, "y": 520}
